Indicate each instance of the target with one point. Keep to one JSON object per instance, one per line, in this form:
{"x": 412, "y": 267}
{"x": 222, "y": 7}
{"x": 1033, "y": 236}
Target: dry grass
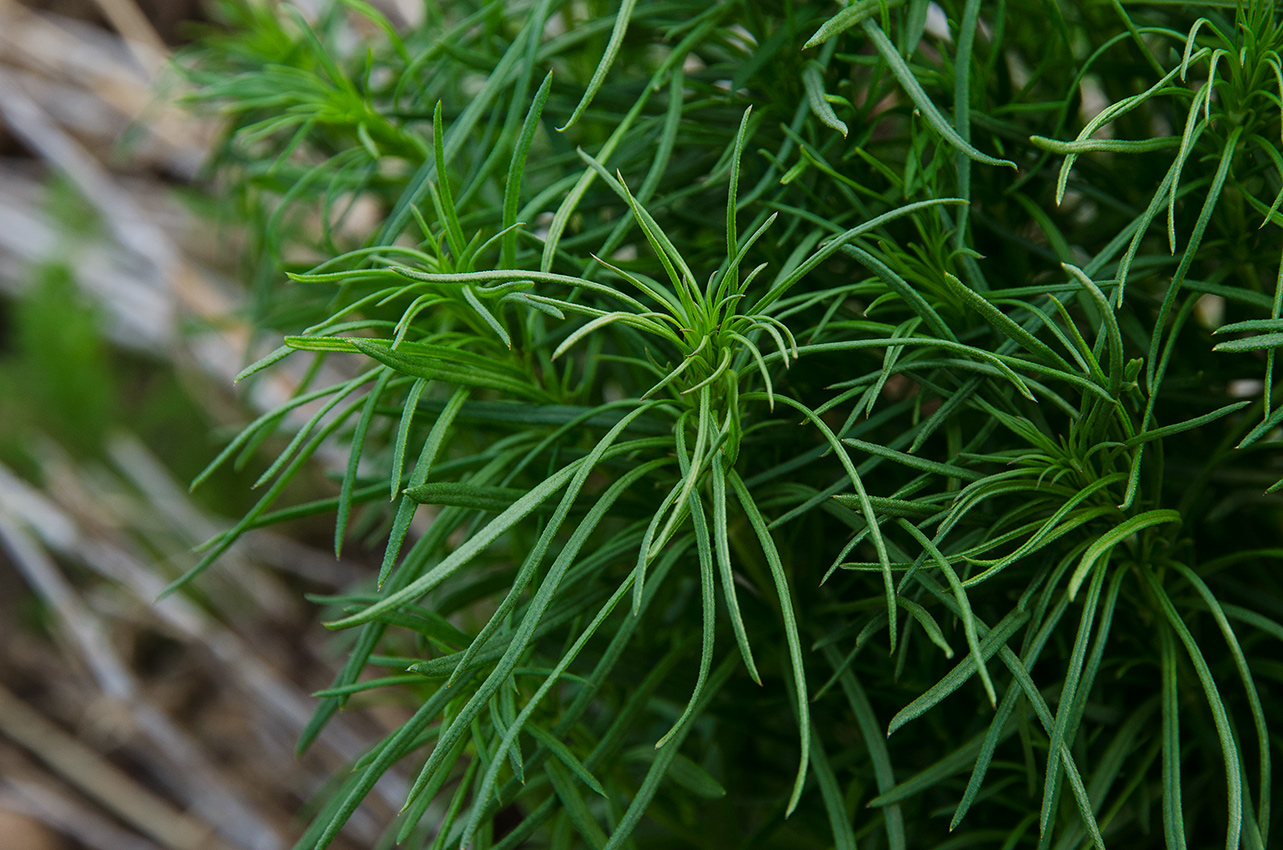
{"x": 123, "y": 723}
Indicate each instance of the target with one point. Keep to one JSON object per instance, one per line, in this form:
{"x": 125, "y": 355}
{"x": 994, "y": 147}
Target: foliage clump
{"x": 774, "y": 377}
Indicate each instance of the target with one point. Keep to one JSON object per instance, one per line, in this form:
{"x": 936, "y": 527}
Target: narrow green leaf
{"x": 790, "y": 629}
{"x": 1173, "y": 808}
{"x": 1229, "y": 747}
{"x": 562, "y": 752}
{"x": 403, "y": 435}
{"x": 441, "y": 194}
{"x": 694, "y": 778}
{"x": 875, "y": 743}
{"x": 722, "y": 547}
{"x": 708, "y": 607}
{"x": 731, "y": 279}
{"x": 516, "y": 172}
{"x": 664, "y": 759}
{"x": 847, "y": 18}
{"x": 390, "y": 751}
{"x": 813, "y": 81}
{"x": 831, "y": 794}
{"x": 786, "y": 282}
{"x": 1065, "y": 705}
{"x": 462, "y": 495}
{"x": 1193, "y": 127}
{"x": 574, "y": 474}
{"x": 1104, "y": 145}
{"x": 1251, "y": 343}
{"x": 262, "y": 363}
{"x": 574, "y": 807}
{"x": 928, "y": 623}
{"x": 1251, "y": 325}
{"x": 964, "y": 669}
{"x": 866, "y": 506}
{"x": 1112, "y": 333}
{"x": 1188, "y": 425}
{"x": 518, "y": 275}
{"x": 919, "y": 97}
{"x": 1187, "y": 259}
{"x": 422, "y": 469}
{"x": 486, "y": 316}
{"x": 369, "y": 685}
{"x": 431, "y": 368}
{"x": 1113, "y": 537}
{"x": 1006, "y": 325}
{"x": 1249, "y": 686}
{"x": 964, "y": 604}
{"x": 622, "y": 19}
{"x": 1114, "y": 110}
{"x": 348, "y": 485}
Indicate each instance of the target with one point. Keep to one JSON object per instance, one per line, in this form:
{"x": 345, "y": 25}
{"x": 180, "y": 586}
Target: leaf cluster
{"x": 772, "y": 377}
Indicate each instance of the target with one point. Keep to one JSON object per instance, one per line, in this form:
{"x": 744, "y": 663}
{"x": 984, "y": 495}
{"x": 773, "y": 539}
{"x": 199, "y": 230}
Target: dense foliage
{"x": 771, "y": 378}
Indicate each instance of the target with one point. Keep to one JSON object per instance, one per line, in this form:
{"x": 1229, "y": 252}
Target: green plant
{"x": 681, "y": 481}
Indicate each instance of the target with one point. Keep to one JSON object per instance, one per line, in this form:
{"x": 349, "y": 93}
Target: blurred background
{"x": 127, "y": 724}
